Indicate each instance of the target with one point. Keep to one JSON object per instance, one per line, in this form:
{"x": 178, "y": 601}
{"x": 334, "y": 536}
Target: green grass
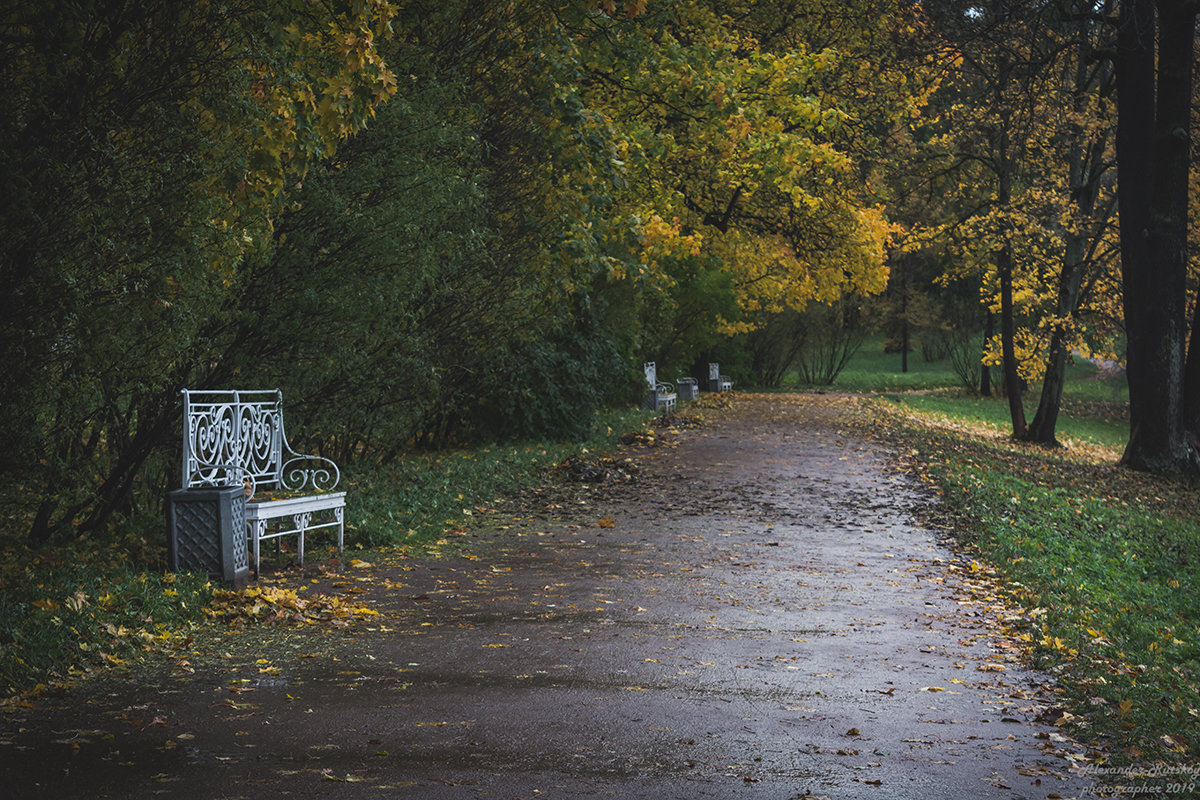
{"x": 1118, "y": 587}
{"x": 873, "y": 370}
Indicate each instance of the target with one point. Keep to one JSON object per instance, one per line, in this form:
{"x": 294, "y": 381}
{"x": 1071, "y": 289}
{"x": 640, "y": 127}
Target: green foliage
{"x": 818, "y": 342}
{"x": 551, "y": 386}
{"x": 831, "y": 335}
{"x": 377, "y": 281}
{"x": 146, "y": 146}
{"x": 774, "y": 347}
{"x": 682, "y": 324}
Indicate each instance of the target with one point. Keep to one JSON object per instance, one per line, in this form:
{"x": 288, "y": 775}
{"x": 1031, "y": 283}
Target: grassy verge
{"x": 1103, "y": 563}
{"x": 414, "y": 501}
{"x": 873, "y": 370}
{"x": 69, "y": 609}
{"x": 1096, "y": 425}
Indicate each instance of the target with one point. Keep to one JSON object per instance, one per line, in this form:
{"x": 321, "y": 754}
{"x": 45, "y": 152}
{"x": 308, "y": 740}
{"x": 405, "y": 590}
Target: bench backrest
{"x": 235, "y": 437}
{"x": 651, "y": 374}
{"x": 231, "y": 436}
{"x": 714, "y": 372}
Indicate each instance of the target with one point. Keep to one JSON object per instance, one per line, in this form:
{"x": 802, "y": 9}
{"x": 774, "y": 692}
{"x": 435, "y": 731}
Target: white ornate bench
{"x": 689, "y": 388}
{"x": 236, "y": 438}
{"x": 662, "y": 395}
{"x": 716, "y": 381}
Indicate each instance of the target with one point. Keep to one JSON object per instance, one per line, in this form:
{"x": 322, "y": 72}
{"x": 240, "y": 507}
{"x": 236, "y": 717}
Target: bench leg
{"x": 301, "y": 521}
{"x": 339, "y": 514}
{"x": 257, "y": 528}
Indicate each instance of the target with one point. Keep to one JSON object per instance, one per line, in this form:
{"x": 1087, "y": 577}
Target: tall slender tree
{"x": 1085, "y": 145}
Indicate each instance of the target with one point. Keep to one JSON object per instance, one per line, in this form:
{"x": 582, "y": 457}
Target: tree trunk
{"x": 903, "y": 318}
{"x": 1012, "y": 378}
{"x": 1004, "y": 266}
{"x": 1152, "y": 152}
{"x": 1045, "y": 419}
{"x": 985, "y": 372}
{"x": 1191, "y": 378}
{"x": 1175, "y": 89}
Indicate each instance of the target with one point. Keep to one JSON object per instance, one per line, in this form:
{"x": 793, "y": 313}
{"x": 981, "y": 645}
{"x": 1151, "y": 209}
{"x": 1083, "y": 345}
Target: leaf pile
{"x": 646, "y": 439}
{"x": 599, "y": 470}
{"x": 719, "y": 400}
{"x": 275, "y": 605}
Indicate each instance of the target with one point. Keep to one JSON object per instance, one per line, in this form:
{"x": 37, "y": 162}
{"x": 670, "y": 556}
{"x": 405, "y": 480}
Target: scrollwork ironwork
{"x": 233, "y": 437}
{"x": 320, "y": 479}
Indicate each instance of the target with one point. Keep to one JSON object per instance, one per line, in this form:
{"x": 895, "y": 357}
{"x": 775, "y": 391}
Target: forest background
{"x": 440, "y": 222}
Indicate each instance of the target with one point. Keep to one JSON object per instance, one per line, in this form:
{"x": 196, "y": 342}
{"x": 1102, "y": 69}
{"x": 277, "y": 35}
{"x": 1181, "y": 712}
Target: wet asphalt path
{"x": 761, "y": 618}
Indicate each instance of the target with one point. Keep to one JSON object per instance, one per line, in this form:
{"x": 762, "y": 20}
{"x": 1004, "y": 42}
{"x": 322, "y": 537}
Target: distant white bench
{"x": 716, "y": 381}
{"x": 662, "y": 395}
{"x": 236, "y": 438}
{"x": 688, "y": 388}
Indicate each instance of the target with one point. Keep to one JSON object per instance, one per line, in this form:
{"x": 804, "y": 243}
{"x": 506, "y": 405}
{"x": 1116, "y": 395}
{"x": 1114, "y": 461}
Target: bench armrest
{"x": 664, "y": 388}
{"x": 316, "y": 472}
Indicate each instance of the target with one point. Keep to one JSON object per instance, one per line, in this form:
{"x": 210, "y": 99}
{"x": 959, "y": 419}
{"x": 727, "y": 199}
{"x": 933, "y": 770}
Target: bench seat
{"x": 299, "y": 511}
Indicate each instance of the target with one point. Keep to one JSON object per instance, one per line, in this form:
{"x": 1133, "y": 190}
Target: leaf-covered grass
{"x": 1104, "y": 562}
{"x": 67, "y": 608}
{"x": 1076, "y": 424}
{"x": 413, "y": 501}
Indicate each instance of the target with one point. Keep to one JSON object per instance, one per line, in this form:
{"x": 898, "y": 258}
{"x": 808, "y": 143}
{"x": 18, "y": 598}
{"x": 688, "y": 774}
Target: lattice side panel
{"x": 197, "y": 547}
